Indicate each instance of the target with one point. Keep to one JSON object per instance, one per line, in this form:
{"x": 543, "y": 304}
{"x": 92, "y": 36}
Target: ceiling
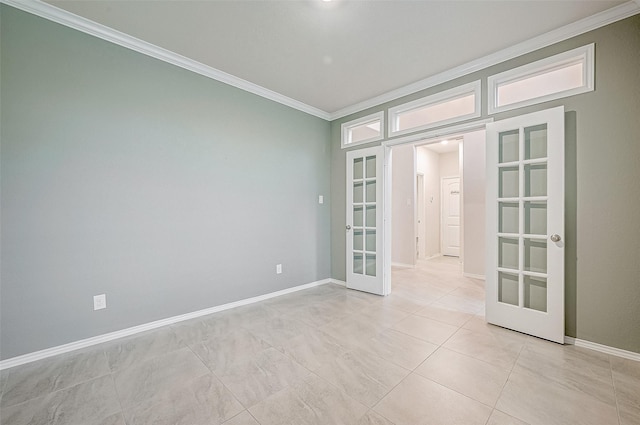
{"x": 332, "y": 55}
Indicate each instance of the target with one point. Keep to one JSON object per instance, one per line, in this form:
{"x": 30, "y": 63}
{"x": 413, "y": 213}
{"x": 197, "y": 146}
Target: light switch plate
{"x": 100, "y": 302}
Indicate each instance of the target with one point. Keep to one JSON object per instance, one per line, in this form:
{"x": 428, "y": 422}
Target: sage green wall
{"x": 602, "y": 185}
{"x": 124, "y": 175}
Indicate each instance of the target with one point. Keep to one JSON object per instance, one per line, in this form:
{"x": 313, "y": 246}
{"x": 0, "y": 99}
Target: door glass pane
{"x": 535, "y": 180}
{"x": 357, "y": 192}
{"x": 509, "y": 146}
{"x": 508, "y": 216}
{"x": 508, "y": 253}
{"x": 509, "y": 182}
{"x": 371, "y": 167}
{"x": 535, "y": 142}
{"x": 371, "y": 240}
{"x": 371, "y": 265}
{"x": 535, "y": 293}
{"x": 357, "y": 168}
{"x": 371, "y": 191}
{"x": 508, "y": 288}
{"x": 357, "y": 216}
{"x": 535, "y": 218}
{"x": 358, "y": 261}
{"x": 357, "y": 239}
{"x": 371, "y": 216}
{"x": 535, "y": 255}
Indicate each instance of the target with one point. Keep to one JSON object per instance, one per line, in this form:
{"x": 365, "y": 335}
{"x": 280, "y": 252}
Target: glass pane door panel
{"x": 535, "y": 218}
{"x": 358, "y": 192}
{"x": 535, "y": 180}
{"x": 535, "y": 293}
{"x": 371, "y": 265}
{"x": 371, "y": 240}
{"x": 535, "y": 255}
{"x": 509, "y": 217}
{"x": 357, "y": 216}
{"x": 508, "y": 291}
{"x": 370, "y": 216}
{"x": 508, "y": 253}
{"x": 509, "y": 182}
{"x": 535, "y": 142}
{"x": 357, "y": 168}
{"x": 358, "y": 263}
{"x": 357, "y": 239}
{"x": 371, "y": 167}
{"x": 509, "y": 146}
{"x": 371, "y": 191}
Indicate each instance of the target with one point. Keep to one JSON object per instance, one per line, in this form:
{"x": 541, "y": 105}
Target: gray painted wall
{"x": 403, "y": 242}
{"x": 602, "y": 190}
{"x": 124, "y": 175}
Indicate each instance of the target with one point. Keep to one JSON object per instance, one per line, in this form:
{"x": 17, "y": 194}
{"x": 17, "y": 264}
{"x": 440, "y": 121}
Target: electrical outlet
{"x": 320, "y": 199}
{"x": 278, "y": 268}
{"x": 100, "y": 302}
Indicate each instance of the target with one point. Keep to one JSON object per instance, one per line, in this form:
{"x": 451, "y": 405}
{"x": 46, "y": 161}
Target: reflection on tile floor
{"x": 328, "y": 355}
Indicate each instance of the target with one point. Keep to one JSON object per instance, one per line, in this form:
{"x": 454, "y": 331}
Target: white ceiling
{"x": 331, "y": 55}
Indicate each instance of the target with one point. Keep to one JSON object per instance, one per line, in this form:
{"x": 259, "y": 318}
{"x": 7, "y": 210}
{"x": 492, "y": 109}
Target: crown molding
{"x": 68, "y": 19}
{"x": 52, "y": 13}
{"x": 582, "y": 26}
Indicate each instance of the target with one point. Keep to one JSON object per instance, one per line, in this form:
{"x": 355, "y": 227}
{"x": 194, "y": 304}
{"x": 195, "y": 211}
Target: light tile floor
{"x": 328, "y": 355}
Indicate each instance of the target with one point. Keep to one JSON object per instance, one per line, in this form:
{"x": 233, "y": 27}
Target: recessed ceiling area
{"x": 332, "y": 55}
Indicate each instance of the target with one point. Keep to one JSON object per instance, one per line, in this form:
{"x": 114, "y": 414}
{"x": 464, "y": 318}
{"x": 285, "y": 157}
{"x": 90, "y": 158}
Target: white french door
{"x": 525, "y": 224}
{"x": 365, "y": 220}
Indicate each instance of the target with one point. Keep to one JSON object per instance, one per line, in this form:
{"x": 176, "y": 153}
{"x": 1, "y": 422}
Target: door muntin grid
{"x": 365, "y": 211}
{"x": 522, "y": 218}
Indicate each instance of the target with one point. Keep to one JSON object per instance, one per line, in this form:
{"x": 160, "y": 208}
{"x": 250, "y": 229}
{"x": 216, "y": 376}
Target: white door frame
{"x": 423, "y": 137}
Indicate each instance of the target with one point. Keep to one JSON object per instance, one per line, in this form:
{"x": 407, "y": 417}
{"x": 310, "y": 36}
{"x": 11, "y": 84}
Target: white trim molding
{"x": 618, "y": 352}
{"x": 52, "y": 13}
{"x": 76, "y": 345}
{"x": 582, "y": 26}
{"x": 431, "y": 135}
{"x": 474, "y": 276}
{"x": 346, "y": 129}
{"x": 435, "y": 100}
{"x": 526, "y": 74}
{"x": 68, "y": 19}
{"x": 339, "y": 282}
{"x": 403, "y": 265}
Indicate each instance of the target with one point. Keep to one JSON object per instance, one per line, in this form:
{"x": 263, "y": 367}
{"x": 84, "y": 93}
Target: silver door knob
{"x": 348, "y": 227}
{"x": 555, "y": 238}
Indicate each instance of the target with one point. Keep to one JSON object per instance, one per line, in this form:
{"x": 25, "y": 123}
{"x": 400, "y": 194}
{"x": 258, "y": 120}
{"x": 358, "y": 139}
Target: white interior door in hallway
{"x": 450, "y": 216}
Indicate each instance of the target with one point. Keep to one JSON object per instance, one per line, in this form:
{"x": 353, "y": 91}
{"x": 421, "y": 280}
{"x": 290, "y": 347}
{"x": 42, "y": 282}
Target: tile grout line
{"x": 615, "y": 391}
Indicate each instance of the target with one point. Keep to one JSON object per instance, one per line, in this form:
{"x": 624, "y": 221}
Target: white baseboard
{"x": 76, "y": 345}
{"x": 473, "y": 276}
{"x": 338, "y": 282}
{"x": 403, "y": 265}
{"x": 602, "y": 348}
{"x": 432, "y": 257}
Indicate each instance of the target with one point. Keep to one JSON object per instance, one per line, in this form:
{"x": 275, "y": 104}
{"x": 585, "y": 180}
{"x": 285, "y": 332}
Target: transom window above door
{"x": 446, "y": 107}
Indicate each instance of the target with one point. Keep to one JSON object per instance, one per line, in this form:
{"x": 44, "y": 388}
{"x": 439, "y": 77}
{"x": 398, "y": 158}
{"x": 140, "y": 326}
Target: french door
{"x": 525, "y": 224}
{"x": 364, "y": 227}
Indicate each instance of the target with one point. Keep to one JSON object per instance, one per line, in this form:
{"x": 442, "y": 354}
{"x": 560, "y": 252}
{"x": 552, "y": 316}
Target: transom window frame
{"x": 346, "y": 127}
{"x": 472, "y": 88}
{"x": 584, "y": 55}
